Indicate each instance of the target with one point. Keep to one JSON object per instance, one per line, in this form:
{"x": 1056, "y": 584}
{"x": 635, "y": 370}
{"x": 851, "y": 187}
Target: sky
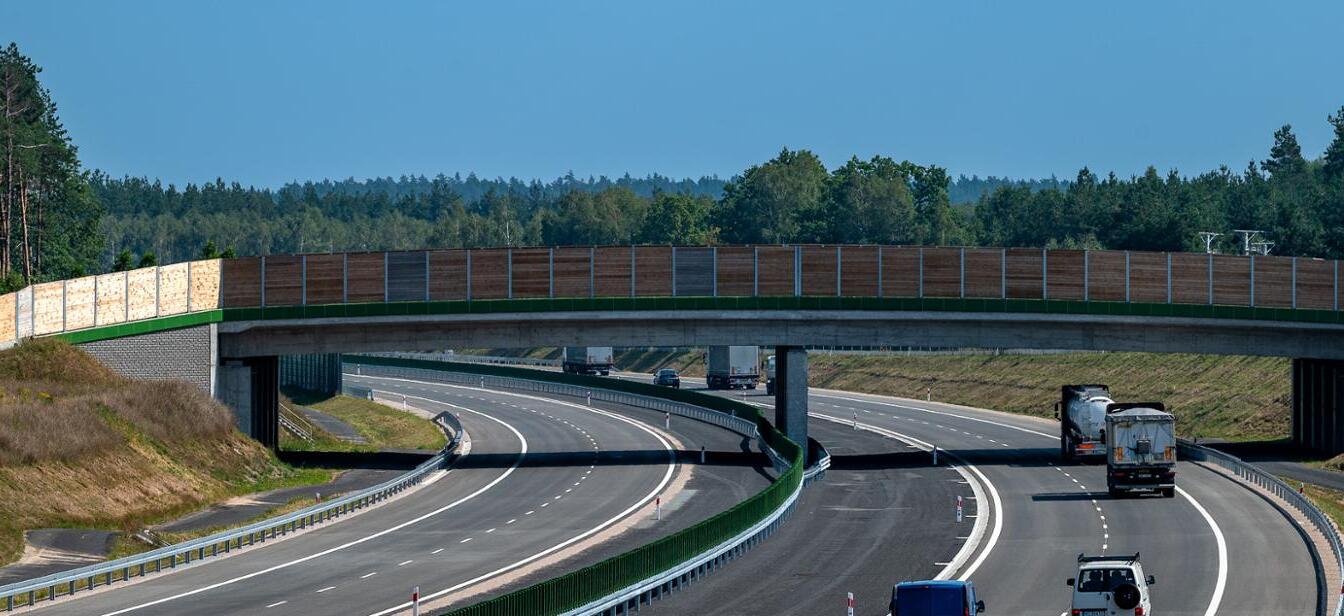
{"x": 269, "y": 92}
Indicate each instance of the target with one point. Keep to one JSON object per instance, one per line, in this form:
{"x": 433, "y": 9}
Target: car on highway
{"x": 1110, "y": 586}
{"x": 935, "y": 598}
{"x": 667, "y": 377}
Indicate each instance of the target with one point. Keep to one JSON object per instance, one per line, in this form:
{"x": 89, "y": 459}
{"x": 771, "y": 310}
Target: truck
{"x": 770, "y": 375}
{"x": 1141, "y": 449}
{"x": 1081, "y": 411}
{"x": 935, "y": 598}
{"x": 587, "y": 360}
{"x": 731, "y": 367}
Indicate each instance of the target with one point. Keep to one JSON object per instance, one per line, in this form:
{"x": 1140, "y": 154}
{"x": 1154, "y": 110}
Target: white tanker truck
{"x": 1082, "y": 421}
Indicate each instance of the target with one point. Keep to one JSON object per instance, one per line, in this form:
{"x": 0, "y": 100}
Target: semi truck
{"x": 1141, "y": 449}
{"x": 731, "y": 367}
{"x": 770, "y": 375}
{"x": 587, "y": 360}
{"x": 1081, "y": 411}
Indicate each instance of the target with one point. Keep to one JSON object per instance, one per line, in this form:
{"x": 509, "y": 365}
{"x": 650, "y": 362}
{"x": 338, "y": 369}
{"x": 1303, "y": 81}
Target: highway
{"x": 543, "y": 478}
{"x": 1216, "y": 548}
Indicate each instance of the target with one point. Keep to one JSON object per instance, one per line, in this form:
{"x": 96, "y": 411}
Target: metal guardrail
{"x": 1279, "y": 488}
{"x": 66, "y": 583}
{"x": 573, "y": 593}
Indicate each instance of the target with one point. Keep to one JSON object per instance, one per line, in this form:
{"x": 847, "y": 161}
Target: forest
{"x": 59, "y": 220}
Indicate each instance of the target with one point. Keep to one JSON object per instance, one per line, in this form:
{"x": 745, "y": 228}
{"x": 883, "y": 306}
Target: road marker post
{"x": 856, "y": 421}
{"x": 658, "y": 508}
{"x": 849, "y": 604}
{"x": 403, "y": 402}
{"x": 588, "y": 397}
{"x": 667, "y": 421}
{"x": 482, "y": 382}
{"x": 935, "y": 455}
{"x": 415, "y": 601}
{"x": 959, "y": 510}
{"x": 702, "y": 454}
{"x": 928, "y": 394}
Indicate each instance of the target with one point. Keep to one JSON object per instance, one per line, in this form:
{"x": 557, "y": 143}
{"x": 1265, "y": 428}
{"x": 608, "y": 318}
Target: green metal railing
{"x": 578, "y": 588}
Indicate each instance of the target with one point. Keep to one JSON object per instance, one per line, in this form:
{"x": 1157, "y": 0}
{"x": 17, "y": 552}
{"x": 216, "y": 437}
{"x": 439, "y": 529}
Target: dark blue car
{"x": 935, "y": 598}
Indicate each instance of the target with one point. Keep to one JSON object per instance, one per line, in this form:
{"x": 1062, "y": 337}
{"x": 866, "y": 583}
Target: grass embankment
{"x": 1330, "y": 501}
{"x": 383, "y": 427}
{"x": 83, "y": 447}
{"x": 1231, "y": 397}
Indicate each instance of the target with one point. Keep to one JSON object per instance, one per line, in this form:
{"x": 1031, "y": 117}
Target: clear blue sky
{"x": 266, "y": 92}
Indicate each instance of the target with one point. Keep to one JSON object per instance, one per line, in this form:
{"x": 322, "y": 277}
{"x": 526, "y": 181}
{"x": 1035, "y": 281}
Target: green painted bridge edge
{"x": 593, "y": 582}
{"x": 494, "y": 306}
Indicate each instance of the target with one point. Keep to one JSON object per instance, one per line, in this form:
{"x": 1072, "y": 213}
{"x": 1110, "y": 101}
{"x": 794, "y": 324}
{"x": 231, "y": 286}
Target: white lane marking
{"x": 404, "y": 563}
{"x": 667, "y": 478}
{"x": 392, "y": 529}
{"x": 1221, "y": 585}
{"x": 465, "y": 540}
{"x": 933, "y": 412}
{"x": 436, "y": 551}
{"x": 489, "y": 531}
{"x": 529, "y": 513}
{"x": 368, "y": 575}
{"x": 277, "y": 603}
{"x": 511, "y": 521}
{"x": 325, "y": 589}
{"x": 978, "y": 531}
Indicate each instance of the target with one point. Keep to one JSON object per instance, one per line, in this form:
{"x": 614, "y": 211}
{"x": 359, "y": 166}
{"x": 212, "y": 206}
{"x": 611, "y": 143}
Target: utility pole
{"x": 1208, "y": 237}
{"x": 1247, "y": 235}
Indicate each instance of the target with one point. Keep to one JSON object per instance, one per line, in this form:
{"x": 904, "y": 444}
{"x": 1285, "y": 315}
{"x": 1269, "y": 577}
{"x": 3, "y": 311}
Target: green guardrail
{"x": 578, "y": 588}
{"x": 894, "y": 304}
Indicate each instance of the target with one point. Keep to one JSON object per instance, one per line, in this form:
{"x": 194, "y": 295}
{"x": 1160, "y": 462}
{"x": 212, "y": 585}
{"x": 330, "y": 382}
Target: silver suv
{"x": 1110, "y": 586}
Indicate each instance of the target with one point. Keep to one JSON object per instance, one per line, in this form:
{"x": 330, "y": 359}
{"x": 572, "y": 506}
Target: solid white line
{"x": 234, "y": 580}
{"x": 1221, "y": 584}
{"x": 667, "y": 478}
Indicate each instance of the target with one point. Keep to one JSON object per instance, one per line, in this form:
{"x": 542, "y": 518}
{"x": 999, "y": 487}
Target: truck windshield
{"x": 1104, "y": 580}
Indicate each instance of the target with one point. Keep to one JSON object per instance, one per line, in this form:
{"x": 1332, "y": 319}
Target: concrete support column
{"x": 791, "y": 393}
{"x": 250, "y": 387}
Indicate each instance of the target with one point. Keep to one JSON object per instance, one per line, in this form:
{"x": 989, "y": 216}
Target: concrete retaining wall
{"x": 187, "y": 354}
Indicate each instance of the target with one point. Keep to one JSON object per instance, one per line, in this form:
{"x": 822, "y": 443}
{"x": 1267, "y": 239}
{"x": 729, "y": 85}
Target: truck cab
{"x": 1110, "y": 586}
{"x": 935, "y": 598}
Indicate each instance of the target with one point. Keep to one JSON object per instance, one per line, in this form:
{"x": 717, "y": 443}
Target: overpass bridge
{"x": 223, "y": 323}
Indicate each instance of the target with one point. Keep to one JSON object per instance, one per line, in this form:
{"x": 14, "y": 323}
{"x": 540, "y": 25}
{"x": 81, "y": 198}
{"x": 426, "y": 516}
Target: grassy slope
{"x": 81, "y": 447}
{"x": 1239, "y": 398}
{"x": 384, "y": 427}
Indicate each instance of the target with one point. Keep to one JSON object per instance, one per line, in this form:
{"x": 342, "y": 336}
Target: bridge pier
{"x": 791, "y": 393}
{"x": 250, "y": 386}
{"x": 1318, "y": 390}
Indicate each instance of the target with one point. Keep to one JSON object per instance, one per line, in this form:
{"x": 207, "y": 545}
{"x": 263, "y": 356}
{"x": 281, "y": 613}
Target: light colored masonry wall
{"x": 186, "y": 354}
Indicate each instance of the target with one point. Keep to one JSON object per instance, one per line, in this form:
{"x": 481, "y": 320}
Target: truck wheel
{"x": 1168, "y": 492}
{"x": 605, "y": 373}
{"x": 1114, "y": 491}
{"x": 769, "y": 390}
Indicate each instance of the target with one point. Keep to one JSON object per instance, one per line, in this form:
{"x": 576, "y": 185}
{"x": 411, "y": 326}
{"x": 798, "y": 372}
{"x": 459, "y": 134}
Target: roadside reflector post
{"x": 849, "y": 604}
{"x": 658, "y": 508}
{"x": 959, "y": 510}
{"x": 928, "y": 394}
{"x": 667, "y": 421}
{"x": 415, "y": 601}
{"x": 702, "y": 454}
{"x": 403, "y": 402}
{"x": 935, "y": 455}
{"x": 482, "y": 382}
{"x": 856, "y": 421}
{"x": 588, "y": 396}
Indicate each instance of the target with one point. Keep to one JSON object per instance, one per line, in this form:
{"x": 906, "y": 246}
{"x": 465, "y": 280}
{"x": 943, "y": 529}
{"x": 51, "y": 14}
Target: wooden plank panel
{"x": 942, "y": 272}
{"x": 448, "y": 275}
{"x": 79, "y": 303}
{"x": 984, "y": 273}
{"x": 858, "y": 271}
{"x": 1148, "y": 277}
{"x": 490, "y": 273}
{"x": 241, "y": 284}
{"x": 900, "y": 271}
{"x": 47, "y": 308}
{"x": 1231, "y": 280}
{"x": 172, "y": 289}
{"x": 1106, "y": 275}
{"x": 613, "y": 270}
{"x": 406, "y": 280}
{"x": 326, "y": 279}
{"x": 694, "y": 271}
{"x": 23, "y": 299}
{"x": 112, "y": 298}
{"x": 572, "y": 272}
{"x": 1315, "y": 284}
{"x": 1189, "y": 278}
{"x": 1064, "y": 274}
{"x": 143, "y": 298}
{"x": 1024, "y": 273}
{"x": 775, "y": 275}
{"x": 284, "y": 280}
{"x": 204, "y": 285}
{"x": 653, "y": 271}
{"x": 8, "y": 305}
{"x": 531, "y": 272}
{"x": 819, "y": 276}
{"x": 1274, "y": 281}
{"x": 736, "y": 271}
{"x": 364, "y": 272}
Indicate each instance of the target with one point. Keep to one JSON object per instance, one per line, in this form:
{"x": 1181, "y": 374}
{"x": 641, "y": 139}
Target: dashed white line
{"x": 404, "y": 563}
{"x": 325, "y": 589}
{"x": 465, "y": 540}
{"x": 277, "y": 603}
{"x": 368, "y": 575}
